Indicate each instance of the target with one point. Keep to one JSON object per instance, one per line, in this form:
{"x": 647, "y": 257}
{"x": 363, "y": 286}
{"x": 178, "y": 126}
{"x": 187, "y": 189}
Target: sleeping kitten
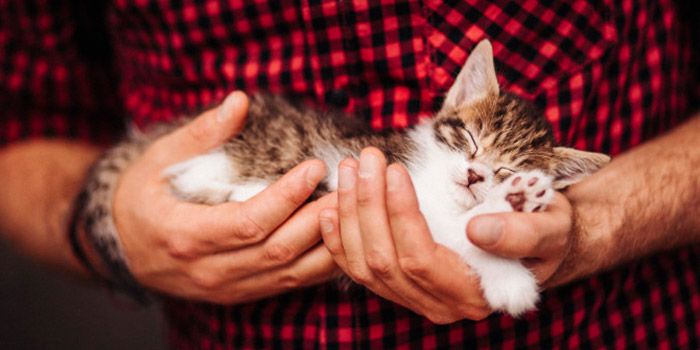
{"x": 484, "y": 152}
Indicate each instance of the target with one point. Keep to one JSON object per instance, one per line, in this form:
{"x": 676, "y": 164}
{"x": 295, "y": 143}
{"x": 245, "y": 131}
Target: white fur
{"x": 331, "y": 156}
{"x": 247, "y": 190}
{"x": 507, "y": 284}
{"x": 211, "y": 177}
{"x": 206, "y": 176}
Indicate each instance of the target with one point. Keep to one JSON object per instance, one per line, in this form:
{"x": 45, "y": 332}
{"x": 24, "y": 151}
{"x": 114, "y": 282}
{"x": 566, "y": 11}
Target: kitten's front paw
{"x": 512, "y": 289}
{"x": 528, "y": 191}
{"x": 202, "y": 179}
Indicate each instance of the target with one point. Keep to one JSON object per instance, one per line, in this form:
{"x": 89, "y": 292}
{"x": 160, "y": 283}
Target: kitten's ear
{"x": 572, "y": 165}
{"x": 476, "y": 80}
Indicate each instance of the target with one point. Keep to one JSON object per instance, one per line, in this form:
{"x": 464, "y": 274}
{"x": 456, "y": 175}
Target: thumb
{"x": 208, "y": 130}
{"x": 506, "y": 235}
{"x": 517, "y": 235}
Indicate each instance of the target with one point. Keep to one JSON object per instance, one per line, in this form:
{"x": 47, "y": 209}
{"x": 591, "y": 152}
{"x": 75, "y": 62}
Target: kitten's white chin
{"x": 466, "y": 197}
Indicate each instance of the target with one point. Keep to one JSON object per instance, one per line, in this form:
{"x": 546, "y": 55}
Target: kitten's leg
{"x": 506, "y": 283}
{"x": 247, "y": 190}
{"x": 205, "y": 179}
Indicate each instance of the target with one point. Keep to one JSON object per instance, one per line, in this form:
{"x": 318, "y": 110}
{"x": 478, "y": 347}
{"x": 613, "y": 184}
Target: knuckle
{"x": 473, "y": 312}
{"x": 364, "y": 198}
{"x": 359, "y": 274}
{"x": 279, "y": 253}
{"x": 380, "y": 264}
{"x": 345, "y": 214}
{"x": 293, "y": 199}
{"x": 440, "y": 319}
{"x": 334, "y": 246}
{"x": 478, "y": 315}
{"x": 290, "y": 280}
{"x": 181, "y": 248}
{"x": 249, "y": 231}
{"x": 413, "y": 266}
{"x": 400, "y": 212}
{"x": 207, "y": 280}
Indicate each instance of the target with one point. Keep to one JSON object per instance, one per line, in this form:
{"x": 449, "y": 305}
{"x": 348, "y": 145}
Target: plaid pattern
{"x": 608, "y": 74}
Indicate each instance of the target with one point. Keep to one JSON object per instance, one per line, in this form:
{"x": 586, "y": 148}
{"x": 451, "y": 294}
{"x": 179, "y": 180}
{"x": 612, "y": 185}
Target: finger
{"x": 286, "y": 244}
{"x": 209, "y": 130}
{"x": 418, "y": 254}
{"x": 275, "y": 204}
{"x": 349, "y": 226}
{"x": 377, "y": 244}
{"x": 399, "y": 290}
{"x": 312, "y": 268}
{"x": 411, "y": 234}
{"x": 234, "y": 225}
{"x": 331, "y": 238}
{"x": 524, "y": 235}
{"x": 328, "y": 222}
{"x": 377, "y": 241}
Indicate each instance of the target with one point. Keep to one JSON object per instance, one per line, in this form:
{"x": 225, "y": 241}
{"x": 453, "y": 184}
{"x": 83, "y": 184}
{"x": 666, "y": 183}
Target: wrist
{"x": 591, "y": 239}
{"x": 40, "y": 179}
{"x": 83, "y": 252}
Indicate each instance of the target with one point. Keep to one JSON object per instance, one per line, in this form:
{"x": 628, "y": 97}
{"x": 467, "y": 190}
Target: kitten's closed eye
{"x": 502, "y": 173}
{"x": 472, "y": 143}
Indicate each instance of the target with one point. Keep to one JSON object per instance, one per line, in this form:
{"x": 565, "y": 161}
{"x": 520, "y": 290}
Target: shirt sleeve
{"x": 57, "y": 72}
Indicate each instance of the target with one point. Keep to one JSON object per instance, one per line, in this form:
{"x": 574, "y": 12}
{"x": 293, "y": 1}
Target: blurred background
{"x": 43, "y": 309}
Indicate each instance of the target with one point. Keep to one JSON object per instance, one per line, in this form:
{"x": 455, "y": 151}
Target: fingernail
{"x": 314, "y": 174}
{"x": 227, "y": 107}
{"x": 487, "y": 231}
{"x": 393, "y": 179}
{"x": 326, "y": 225}
{"x": 346, "y": 178}
{"x": 369, "y": 163}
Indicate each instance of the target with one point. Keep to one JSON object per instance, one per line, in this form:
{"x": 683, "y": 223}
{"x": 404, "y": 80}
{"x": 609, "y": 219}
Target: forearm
{"x": 645, "y": 201}
{"x": 40, "y": 179}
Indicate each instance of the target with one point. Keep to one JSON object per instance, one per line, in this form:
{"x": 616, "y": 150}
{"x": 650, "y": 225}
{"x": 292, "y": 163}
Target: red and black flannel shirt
{"x": 608, "y": 74}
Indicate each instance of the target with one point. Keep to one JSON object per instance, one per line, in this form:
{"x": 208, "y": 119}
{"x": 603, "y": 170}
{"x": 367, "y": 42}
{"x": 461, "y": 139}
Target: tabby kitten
{"x": 484, "y": 152}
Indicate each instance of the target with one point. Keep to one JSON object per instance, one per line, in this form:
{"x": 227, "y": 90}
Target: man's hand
{"x": 381, "y": 240}
{"x": 644, "y": 202}
{"x": 541, "y": 240}
{"x": 228, "y": 253}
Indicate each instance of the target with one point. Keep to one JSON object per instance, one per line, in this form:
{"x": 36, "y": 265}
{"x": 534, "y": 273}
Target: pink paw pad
{"x": 529, "y": 191}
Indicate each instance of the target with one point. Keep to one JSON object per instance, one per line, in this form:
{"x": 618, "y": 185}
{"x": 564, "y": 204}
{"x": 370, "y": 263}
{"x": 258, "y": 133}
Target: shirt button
{"x": 337, "y": 98}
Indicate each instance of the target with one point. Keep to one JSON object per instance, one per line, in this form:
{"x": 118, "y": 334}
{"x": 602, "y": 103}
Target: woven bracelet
{"x": 120, "y": 278}
{"x": 74, "y": 240}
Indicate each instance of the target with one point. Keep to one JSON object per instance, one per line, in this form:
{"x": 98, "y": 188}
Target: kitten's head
{"x": 497, "y": 133}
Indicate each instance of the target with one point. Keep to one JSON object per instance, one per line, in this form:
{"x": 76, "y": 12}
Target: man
{"x": 608, "y": 77}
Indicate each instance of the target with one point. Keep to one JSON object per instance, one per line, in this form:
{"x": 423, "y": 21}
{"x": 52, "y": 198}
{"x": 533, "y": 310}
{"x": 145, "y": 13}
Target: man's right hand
{"x": 227, "y": 253}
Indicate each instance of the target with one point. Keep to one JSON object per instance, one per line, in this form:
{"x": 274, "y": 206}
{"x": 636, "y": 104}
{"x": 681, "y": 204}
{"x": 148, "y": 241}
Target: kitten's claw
{"x": 529, "y": 191}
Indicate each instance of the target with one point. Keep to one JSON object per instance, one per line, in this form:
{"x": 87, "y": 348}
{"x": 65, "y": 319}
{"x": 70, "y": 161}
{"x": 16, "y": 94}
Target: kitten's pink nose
{"x": 473, "y": 177}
